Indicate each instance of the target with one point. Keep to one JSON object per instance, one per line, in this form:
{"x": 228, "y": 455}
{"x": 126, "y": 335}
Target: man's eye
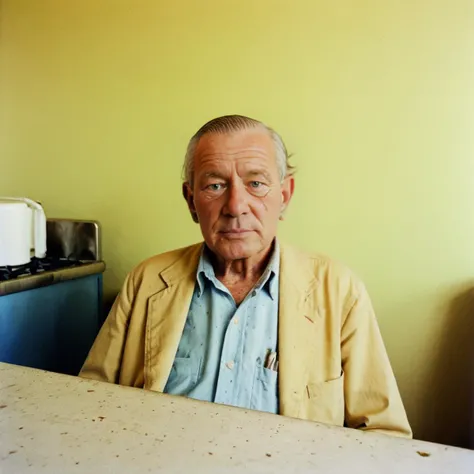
{"x": 256, "y": 184}
{"x": 215, "y": 187}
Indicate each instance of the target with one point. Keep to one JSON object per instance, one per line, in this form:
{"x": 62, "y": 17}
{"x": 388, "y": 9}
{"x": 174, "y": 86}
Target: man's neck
{"x": 243, "y": 270}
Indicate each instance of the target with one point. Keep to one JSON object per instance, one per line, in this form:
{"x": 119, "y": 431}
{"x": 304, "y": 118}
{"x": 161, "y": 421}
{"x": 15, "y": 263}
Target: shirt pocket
{"x": 264, "y": 390}
{"x": 183, "y": 376}
{"x": 325, "y": 401}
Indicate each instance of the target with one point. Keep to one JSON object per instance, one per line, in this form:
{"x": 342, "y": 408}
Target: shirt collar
{"x": 268, "y": 280}
{"x": 204, "y": 270}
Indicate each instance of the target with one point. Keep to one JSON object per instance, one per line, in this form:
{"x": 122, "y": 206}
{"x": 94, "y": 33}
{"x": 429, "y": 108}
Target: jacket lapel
{"x": 295, "y": 334}
{"x": 167, "y": 313}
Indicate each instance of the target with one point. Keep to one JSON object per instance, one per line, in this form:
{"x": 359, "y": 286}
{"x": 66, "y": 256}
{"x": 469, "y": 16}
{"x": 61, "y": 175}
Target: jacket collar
{"x": 184, "y": 267}
{"x": 295, "y": 272}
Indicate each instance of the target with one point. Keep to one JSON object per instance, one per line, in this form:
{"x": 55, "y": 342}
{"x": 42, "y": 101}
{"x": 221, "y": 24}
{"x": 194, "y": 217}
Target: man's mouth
{"x": 235, "y": 231}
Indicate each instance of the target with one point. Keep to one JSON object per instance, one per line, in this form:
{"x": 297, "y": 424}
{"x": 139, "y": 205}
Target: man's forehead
{"x": 215, "y": 149}
{"x": 249, "y": 143}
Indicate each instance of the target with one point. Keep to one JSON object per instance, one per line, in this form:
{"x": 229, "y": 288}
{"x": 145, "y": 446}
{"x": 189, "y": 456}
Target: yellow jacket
{"x": 333, "y": 367}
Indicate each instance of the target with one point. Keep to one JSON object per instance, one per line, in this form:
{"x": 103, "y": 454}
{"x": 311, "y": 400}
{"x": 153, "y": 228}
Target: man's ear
{"x": 287, "y": 190}
{"x": 189, "y": 197}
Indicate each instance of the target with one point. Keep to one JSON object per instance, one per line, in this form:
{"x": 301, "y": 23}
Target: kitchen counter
{"x": 50, "y": 278}
{"x": 58, "y": 423}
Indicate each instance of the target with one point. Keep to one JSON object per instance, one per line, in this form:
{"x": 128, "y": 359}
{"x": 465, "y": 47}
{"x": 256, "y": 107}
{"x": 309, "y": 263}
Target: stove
{"x": 36, "y": 266}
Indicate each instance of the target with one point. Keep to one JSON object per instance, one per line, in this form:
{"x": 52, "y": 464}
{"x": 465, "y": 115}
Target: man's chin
{"x": 234, "y": 249}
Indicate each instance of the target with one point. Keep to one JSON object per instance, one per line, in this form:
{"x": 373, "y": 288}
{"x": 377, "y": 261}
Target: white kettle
{"x": 22, "y": 231}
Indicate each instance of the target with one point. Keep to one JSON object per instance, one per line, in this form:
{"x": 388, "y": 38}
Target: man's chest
{"x": 226, "y": 347}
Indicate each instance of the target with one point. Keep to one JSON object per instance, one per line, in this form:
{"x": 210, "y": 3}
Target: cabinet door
{"x": 53, "y": 327}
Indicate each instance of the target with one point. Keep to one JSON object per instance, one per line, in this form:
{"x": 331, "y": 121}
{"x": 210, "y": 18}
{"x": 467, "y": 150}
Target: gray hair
{"x": 235, "y": 123}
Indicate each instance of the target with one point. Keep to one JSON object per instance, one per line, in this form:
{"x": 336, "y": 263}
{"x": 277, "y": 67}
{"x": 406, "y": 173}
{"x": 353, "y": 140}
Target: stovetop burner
{"x": 35, "y": 266}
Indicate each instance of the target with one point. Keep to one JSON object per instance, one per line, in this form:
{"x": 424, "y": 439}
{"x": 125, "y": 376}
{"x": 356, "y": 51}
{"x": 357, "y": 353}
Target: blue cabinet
{"x": 52, "y": 327}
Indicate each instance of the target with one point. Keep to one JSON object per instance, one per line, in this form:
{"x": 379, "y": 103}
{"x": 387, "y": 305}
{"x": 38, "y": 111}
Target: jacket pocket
{"x": 324, "y": 402}
{"x": 183, "y": 376}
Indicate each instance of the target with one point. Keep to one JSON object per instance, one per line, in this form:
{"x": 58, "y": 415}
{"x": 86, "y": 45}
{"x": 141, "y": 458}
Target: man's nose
{"x": 237, "y": 200}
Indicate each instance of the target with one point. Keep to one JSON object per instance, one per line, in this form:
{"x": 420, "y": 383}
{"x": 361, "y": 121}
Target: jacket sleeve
{"x": 105, "y": 357}
{"x": 372, "y": 398}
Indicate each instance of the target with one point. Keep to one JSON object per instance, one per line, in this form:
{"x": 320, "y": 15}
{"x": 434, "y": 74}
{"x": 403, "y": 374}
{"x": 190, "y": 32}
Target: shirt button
{"x": 254, "y": 293}
{"x": 230, "y": 364}
{"x": 236, "y": 320}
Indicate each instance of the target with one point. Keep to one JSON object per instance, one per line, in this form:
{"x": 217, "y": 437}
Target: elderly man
{"x": 242, "y": 319}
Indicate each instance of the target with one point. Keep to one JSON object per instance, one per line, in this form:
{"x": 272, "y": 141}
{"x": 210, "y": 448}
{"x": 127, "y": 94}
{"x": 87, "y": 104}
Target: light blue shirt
{"x": 223, "y": 347}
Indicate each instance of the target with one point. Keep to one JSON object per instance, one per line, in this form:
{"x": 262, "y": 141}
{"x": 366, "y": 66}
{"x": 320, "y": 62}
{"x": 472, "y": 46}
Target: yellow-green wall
{"x": 374, "y": 97}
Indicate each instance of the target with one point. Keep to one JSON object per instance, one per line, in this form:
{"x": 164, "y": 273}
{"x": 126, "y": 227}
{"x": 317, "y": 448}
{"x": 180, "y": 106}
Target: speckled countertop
{"x": 50, "y": 278}
{"x": 62, "y": 424}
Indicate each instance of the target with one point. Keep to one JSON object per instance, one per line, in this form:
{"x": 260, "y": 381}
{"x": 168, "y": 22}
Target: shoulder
{"x": 331, "y": 282}
{"x": 150, "y": 270}
{"x": 326, "y": 270}
{"x": 164, "y": 260}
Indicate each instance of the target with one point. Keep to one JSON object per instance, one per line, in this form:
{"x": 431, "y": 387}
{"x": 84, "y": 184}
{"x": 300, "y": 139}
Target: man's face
{"x": 237, "y": 194}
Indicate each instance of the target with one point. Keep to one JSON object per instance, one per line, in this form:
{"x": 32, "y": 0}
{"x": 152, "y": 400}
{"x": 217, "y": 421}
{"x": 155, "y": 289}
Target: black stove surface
{"x": 35, "y": 266}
